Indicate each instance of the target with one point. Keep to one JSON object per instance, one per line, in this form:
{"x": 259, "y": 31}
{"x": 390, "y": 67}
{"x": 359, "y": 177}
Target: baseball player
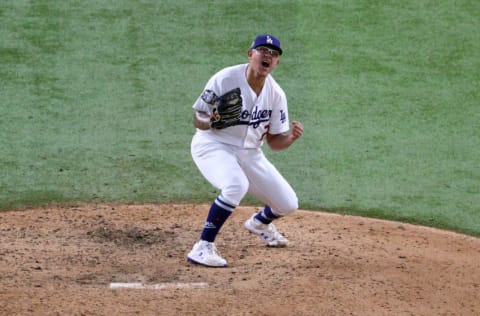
{"x": 241, "y": 107}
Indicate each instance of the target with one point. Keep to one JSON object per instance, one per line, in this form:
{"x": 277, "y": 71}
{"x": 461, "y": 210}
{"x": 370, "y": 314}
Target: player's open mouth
{"x": 265, "y": 64}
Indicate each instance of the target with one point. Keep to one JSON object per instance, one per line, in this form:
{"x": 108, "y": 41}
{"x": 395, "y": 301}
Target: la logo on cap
{"x": 269, "y": 40}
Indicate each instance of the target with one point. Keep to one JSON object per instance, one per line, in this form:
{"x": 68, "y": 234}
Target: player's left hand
{"x": 297, "y": 130}
{"x": 227, "y": 110}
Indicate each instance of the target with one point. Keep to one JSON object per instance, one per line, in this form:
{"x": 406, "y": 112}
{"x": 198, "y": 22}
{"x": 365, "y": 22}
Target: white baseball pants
{"x": 237, "y": 171}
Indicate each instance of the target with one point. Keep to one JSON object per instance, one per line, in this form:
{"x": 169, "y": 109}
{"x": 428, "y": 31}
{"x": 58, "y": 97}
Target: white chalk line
{"x": 158, "y": 286}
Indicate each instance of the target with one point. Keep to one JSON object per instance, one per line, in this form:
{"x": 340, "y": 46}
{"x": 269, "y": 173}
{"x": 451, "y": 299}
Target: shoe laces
{"x": 212, "y": 249}
{"x": 273, "y": 232}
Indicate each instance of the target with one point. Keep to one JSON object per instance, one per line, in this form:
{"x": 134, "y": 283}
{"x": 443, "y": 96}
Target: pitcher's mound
{"x": 131, "y": 260}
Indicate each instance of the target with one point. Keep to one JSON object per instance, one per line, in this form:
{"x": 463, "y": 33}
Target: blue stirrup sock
{"x": 218, "y": 214}
{"x": 266, "y": 216}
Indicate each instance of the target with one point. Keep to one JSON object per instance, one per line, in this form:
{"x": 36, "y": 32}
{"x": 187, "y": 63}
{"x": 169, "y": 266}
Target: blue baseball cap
{"x": 267, "y": 40}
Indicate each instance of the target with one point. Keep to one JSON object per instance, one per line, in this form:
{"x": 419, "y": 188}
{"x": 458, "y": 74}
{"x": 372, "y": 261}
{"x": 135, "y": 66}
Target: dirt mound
{"x": 78, "y": 261}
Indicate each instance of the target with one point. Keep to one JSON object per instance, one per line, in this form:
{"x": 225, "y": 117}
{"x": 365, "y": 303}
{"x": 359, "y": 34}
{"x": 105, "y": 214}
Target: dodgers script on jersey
{"x": 262, "y": 114}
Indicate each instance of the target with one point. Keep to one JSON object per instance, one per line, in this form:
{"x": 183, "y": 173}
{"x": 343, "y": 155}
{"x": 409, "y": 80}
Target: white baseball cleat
{"x": 268, "y": 233}
{"x": 205, "y": 253}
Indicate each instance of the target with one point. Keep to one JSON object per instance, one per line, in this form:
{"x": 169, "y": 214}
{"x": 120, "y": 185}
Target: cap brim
{"x": 278, "y": 49}
{"x": 274, "y": 47}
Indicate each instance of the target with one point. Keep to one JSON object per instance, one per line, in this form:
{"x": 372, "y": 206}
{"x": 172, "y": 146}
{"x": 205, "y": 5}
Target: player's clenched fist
{"x": 297, "y": 129}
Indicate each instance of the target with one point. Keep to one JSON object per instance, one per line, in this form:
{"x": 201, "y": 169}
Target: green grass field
{"x": 96, "y": 96}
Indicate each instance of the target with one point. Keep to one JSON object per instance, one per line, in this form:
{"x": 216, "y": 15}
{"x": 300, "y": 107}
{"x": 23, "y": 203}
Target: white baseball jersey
{"x": 266, "y": 113}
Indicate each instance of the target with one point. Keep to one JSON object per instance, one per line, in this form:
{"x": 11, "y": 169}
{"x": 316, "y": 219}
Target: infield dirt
{"x": 62, "y": 261}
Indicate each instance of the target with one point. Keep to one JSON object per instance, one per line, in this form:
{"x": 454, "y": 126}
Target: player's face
{"x": 263, "y": 59}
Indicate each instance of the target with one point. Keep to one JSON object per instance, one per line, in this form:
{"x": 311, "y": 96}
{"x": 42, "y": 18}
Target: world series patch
{"x": 209, "y": 97}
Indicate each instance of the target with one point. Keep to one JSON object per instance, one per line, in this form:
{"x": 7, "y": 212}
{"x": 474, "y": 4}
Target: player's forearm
{"x": 201, "y": 120}
{"x": 280, "y": 141}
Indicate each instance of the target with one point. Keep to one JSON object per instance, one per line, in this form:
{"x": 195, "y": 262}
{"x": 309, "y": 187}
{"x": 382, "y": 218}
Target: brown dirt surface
{"x": 64, "y": 261}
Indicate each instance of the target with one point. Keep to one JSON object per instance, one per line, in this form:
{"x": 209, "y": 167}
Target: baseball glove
{"x": 227, "y": 109}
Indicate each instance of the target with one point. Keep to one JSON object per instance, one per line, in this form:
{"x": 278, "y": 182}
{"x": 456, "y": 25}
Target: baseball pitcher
{"x": 240, "y": 108}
